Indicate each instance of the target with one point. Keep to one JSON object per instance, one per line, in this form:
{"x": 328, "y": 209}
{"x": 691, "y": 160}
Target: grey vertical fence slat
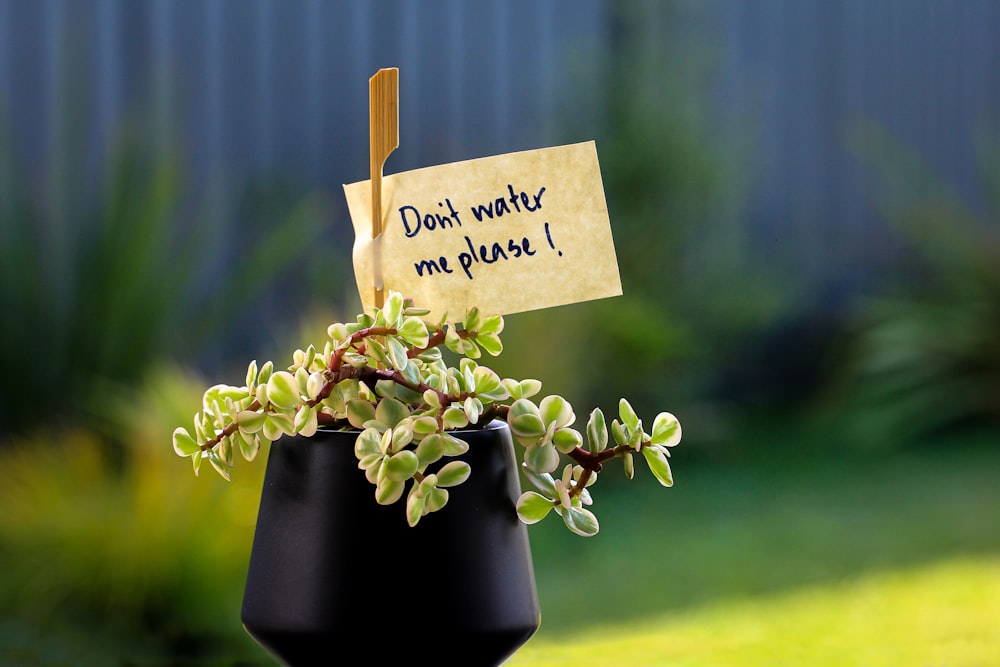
{"x": 263, "y": 61}
{"x": 312, "y": 27}
{"x": 5, "y": 62}
{"x": 107, "y": 98}
{"x": 161, "y": 91}
{"x": 215, "y": 43}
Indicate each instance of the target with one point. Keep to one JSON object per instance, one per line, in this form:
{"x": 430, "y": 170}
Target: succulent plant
{"x": 386, "y": 376}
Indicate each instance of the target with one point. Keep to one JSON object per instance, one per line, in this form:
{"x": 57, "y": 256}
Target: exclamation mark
{"x": 548, "y": 235}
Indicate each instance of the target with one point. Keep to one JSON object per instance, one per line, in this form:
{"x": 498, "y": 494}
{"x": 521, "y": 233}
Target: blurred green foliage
{"x": 103, "y": 273}
{"x": 925, "y": 355}
{"x": 123, "y": 561}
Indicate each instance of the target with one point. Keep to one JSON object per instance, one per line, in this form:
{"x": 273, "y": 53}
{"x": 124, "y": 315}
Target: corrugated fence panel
{"x": 257, "y": 87}
{"x": 265, "y": 85}
{"x": 926, "y": 70}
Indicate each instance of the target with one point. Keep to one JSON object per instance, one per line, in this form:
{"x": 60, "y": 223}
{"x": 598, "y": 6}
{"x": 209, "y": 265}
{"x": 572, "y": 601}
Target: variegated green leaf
{"x": 432, "y": 399}
{"x": 472, "y": 408}
{"x": 597, "y": 432}
{"x": 424, "y": 426}
{"x": 414, "y": 332}
{"x": 401, "y": 465}
{"x": 264, "y": 376}
{"x": 415, "y": 504}
{"x": 184, "y": 444}
{"x": 392, "y": 311}
{"x": 283, "y": 390}
{"x": 618, "y": 433}
{"x": 249, "y": 445}
{"x": 455, "y": 417}
{"x": 454, "y": 446}
{"x": 666, "y": 430}
{"x": 306, "y": 421}
{"x": 388, "y": 491}
{"x": 368, "y": 442}
{"x": 337, "y": 332}
{"x": 225, "y": 449}
{"x": 276, "y": 425}
{"x": 556, "y": 410}
{"x": 473, "y": 319}
{"x": 437, "y": 498}
{"x": 492, "y": 325}
{"x": 453, "y": 473}
{"x": 359, "y": 411}
{"x": 391, "y": 411}
{"x": 218, "y": 465}
{"x": 314, "y": 385}
{"x": 533, "y": 507}
{"x": 301, "y": 376}
{"x": 567, "y": 439}
{"x": 430, "y": 449}
{"x": 250, "y": 421}
{"x": 490, "y": 343}
{"x": 627, "y": 415}
{"x": 657, "y": 460}
{"x": 581, "y": 521}
{"x": 542, "y": 481}
{"x": 397, "y": 353}
{"x": 251, "y": 373}
{"x": 543, "y": 458}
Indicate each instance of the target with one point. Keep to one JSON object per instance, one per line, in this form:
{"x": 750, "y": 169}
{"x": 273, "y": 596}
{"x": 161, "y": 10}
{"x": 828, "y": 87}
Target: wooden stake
{"x": 383, "y": 118}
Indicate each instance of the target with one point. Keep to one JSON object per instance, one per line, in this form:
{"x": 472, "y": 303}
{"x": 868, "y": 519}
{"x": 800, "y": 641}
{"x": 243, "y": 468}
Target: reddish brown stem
{"x": 592, "y": 463}
{"x": 337, "y": 372}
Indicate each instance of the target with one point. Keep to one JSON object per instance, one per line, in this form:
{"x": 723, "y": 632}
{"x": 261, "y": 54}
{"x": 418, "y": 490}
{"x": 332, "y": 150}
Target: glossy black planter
{"x": 323, "y": 579}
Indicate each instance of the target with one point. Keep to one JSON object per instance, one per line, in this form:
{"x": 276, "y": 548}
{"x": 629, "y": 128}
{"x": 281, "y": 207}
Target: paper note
{"x": 507, "y": 233}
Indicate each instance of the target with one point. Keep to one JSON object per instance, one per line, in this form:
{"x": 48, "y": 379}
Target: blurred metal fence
{"x": 260, "y": 86}
{"x": 264, "y": 85}
{"x": 805, "y": 71}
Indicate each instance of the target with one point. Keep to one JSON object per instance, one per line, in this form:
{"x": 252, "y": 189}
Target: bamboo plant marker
{"x": 383, "y": 118}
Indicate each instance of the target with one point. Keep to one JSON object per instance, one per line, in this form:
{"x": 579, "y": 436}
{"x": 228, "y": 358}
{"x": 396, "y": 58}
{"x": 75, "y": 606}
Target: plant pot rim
{"x": 494, "y": 425}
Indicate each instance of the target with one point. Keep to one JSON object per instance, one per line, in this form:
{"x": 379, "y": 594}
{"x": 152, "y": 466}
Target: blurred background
{"x": 804, "y": 196}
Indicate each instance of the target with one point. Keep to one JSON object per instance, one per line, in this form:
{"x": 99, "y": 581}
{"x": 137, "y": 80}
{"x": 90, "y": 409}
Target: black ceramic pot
{"x": 326, "y": 562}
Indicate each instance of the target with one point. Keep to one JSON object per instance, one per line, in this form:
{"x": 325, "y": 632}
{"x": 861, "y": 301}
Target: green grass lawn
{"x": 945, "y": 614}
{"x": 872, "y": 561}
{"x": 888, "y": 560}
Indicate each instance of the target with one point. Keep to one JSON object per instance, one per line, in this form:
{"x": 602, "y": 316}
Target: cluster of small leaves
{"x": 568, "y": 495}
{"x": 385, "y": 375}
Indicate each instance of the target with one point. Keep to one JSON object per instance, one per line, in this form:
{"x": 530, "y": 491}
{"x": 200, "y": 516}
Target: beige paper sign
{"x": 507, "y": 233}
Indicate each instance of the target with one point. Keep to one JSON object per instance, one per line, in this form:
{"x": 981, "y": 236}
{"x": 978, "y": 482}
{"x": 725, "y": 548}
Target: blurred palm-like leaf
{"x": 102, "y": 274}
{"x": 927, "y": 353}
{"x": 126, "y": 559}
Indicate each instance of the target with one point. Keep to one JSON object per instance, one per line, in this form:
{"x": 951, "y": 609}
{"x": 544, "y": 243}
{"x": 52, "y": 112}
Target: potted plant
{"x": 377, "y": 410}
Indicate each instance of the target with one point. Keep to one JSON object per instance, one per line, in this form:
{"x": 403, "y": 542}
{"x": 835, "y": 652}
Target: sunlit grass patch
{"x": 945, "y": 614}
{"x": 753, "y": 529}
